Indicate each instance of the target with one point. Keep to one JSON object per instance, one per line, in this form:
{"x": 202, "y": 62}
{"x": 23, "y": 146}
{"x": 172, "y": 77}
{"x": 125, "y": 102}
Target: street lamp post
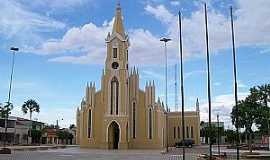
{"x": 14, "y": 50}
{"x": 218, "y": 138}
{"x": 165, "y": 40}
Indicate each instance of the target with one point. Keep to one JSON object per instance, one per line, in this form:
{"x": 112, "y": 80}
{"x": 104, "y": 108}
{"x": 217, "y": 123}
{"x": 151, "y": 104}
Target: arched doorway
{"x": 113, "y": 135}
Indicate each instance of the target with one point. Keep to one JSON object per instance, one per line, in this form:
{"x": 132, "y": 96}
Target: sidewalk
{"x": 41, "y": 147}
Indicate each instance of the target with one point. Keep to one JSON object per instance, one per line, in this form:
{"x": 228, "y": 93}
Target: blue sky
{"x": 62, "y": 47}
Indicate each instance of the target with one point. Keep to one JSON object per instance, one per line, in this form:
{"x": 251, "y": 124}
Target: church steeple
{"x": 197, "y": 105}
{"x": 118, "y": 26}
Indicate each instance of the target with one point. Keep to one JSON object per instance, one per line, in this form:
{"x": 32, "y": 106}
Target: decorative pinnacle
{"x": 118, "y": 6}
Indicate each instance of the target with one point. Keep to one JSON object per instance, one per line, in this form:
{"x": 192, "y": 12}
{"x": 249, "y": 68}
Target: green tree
{"x": 36, "y": 136}
{"x": 249, "y": 111}
{"x": 72, "y": 126}
{"x": 262, "y": 94}
{"x": 30, "y": 106}
{"x": 60, "y": 134}
{"x": 5, "y": 109}
{"x": 230, "y": 136}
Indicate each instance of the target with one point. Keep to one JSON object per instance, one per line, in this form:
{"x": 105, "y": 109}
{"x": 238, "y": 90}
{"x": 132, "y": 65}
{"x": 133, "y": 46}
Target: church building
{"x": 123, "y": 116}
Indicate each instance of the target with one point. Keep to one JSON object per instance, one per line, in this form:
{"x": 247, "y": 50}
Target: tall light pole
{"x": 165, "y": 40}
{"x": 182, "y": 83}
{"x": 235, "y": 86}
{"x": 14, "y": 50}
{"x": 208, "y": 80}
{"x": 218, "y": 138}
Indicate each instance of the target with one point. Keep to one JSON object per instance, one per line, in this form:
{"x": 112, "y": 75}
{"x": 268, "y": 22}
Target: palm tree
{"x": 30, "y": 106}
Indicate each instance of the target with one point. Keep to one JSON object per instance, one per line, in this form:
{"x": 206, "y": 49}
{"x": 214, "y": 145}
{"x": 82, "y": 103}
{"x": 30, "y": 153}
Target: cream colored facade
{"x": 120, "y": 114}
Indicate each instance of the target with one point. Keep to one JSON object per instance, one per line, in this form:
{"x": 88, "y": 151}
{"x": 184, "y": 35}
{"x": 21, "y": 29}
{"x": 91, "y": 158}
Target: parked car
{"x": 185, "y": 142}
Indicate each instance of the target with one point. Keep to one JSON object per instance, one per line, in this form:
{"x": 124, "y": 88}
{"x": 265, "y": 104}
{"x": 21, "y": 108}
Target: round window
{"x": 115, "y": 65}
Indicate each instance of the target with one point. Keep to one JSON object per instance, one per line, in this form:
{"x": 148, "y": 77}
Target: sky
{"x": 62, "y": 47}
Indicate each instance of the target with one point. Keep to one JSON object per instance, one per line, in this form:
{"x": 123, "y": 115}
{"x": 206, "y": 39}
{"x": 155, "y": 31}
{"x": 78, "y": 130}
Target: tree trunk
{"x": 249, "y": 143}
{"x": 30, "y": 115}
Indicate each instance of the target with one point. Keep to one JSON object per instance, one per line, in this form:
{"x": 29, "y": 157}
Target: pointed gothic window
{"x": 187, "y": 132}
{"x": 134, "y": 119}
{"x": 174, "y": 132}
{"x": 114, "y": 95}
{"x": 150, "y": 123}
{"x": 114, "y": 52}
{"x": 127, "y": 55}
{"x": 89, "y": 123}
{"x": 191, "y": 130}
{"x": 178, "y": 132}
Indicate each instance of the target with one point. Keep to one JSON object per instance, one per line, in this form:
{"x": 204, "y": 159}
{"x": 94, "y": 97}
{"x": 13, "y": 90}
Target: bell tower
{"x": 115, "y": 88}
{"x": 117, "y": 45}
{"x": 115, "y": 79}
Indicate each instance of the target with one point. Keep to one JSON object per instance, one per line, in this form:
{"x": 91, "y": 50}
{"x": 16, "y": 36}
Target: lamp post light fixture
{"x": 14, "y": 50}
{"x": 165, "y": 40}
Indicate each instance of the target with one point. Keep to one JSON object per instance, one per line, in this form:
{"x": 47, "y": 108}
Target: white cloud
{"x": 241, "y": 84}
{"x": 192, "y": 73}
{"x": 88, "y": 41}
{"x": 161, "y": 13}
{"x": 265, "y": 51}
{"x": 216, "y": 83}
{"x": 175, "y": 3}
{"x": 22, "y": 25}
{"x": 86, "y": 44}
{"x": 222, "y": 105}
{"x": 247, "y": 32}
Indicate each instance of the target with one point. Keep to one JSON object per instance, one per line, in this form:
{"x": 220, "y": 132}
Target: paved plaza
{"x": 76, "y": 153}
{"x": 91, "y": 154}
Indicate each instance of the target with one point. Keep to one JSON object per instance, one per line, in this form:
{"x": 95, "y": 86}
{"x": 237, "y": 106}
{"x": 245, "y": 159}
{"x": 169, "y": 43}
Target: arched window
{"x": 191, "y": 130}
{"x": 134, "y": 119}
{"x": 187, "y": 132}
{"x": 114, "y": 52}
{"x": 178, "y": 132}
{"x": 127, "y": 55}
{"x": 89, "y": 123}
{"x": 174, "y": 132}
{"x": 150, "y": 123}
{"x": 114, "y": 95}
{"x": 127, "y": 132}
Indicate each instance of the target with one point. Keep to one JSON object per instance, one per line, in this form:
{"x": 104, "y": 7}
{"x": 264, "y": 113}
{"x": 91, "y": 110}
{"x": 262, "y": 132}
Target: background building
{"x": 18, "y": 130}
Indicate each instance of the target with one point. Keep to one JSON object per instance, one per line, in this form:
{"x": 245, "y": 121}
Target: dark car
{"x": 185, "y": 142}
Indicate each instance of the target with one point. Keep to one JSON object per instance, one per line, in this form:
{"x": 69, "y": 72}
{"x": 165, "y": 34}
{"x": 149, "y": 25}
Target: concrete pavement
{"x": 92, "y": 154}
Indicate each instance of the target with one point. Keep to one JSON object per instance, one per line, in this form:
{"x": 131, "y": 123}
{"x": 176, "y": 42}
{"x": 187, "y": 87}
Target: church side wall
{"x": 192, "y": 129}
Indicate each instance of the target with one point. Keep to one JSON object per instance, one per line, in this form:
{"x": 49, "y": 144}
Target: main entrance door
{"x": 113, "y": 135}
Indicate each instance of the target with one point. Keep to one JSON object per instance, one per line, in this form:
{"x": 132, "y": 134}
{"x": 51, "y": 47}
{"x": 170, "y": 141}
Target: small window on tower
{"x": 114, "y": 52}
{"x": 127, "y": 55}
